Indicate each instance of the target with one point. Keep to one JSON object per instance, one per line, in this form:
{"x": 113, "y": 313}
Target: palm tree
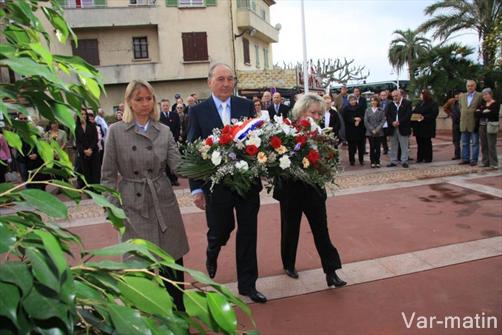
{"x": 406, "y": 48}
{"x": 483, "y": 16}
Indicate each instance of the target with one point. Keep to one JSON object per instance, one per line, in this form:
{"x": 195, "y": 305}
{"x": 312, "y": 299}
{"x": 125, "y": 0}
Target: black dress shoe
{"x": 405, "y": 165}
{"x": 463, "y": 163}
{"x": 212, "y": 262}
{"x": 291, "y": 273}
{"x": 175, "y": 183}
{"x": 391, "y": 165}
{"x": 334, "y": 280}
{"x": 255, "y": 296}
{"x": 473, "y": 163}
{"x": 211, "y": 267}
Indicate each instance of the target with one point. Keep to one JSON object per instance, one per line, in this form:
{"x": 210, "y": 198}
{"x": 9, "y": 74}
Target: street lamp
{"x": 397, "y": 78}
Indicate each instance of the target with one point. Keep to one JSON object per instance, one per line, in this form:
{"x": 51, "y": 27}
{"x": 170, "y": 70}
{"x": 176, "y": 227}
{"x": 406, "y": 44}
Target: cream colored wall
{"x": 239, "y": 53}
{"x": 115, "y": 44}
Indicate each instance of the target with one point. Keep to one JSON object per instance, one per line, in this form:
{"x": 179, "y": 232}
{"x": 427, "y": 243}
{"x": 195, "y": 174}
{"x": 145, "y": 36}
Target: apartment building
{"x": 170, "y": 43}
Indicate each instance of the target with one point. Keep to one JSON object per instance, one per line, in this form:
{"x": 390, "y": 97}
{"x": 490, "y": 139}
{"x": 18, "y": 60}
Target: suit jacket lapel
{"x": 213, "y": 110}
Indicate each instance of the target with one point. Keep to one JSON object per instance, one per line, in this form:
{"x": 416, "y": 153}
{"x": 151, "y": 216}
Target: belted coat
{"x": 140, "y": 158}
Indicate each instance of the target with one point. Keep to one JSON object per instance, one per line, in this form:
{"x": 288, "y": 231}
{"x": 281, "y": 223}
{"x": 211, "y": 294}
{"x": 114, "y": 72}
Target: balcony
{"x": 121, "y": 74}
{"x": 136, "y": 13}
{"x": 248, "y": 19}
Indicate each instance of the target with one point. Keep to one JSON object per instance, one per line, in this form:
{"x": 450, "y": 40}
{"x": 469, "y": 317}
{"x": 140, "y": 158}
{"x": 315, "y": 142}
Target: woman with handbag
{"x": 488, "y": 114}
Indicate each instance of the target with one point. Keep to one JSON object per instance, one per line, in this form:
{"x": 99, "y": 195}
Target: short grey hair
{"x": 487, "y": 91}
{"x": 471, "y": 81}
{"x": 214, "y": 66}
{"x": 305, "y": 102}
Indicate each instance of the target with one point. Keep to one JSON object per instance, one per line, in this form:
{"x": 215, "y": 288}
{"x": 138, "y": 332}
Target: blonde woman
{"x": 138, "y": 148}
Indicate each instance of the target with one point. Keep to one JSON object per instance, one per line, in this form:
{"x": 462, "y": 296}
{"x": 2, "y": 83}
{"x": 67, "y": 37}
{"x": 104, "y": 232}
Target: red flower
{"x": 275, "y": 142}
{"x": 251, "y": 150}
{"x": 209, "y": 141}
{"x": 225, "y": 139}
{"x": 301, "y": 139}
{"x": 305, "y": 123}
{"x": 227, "y": 129}
{"x": 313, "y": 156}
{"x": 287, "y": 121}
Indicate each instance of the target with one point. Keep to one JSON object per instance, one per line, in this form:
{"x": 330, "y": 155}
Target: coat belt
{"x": 156, "y": 204}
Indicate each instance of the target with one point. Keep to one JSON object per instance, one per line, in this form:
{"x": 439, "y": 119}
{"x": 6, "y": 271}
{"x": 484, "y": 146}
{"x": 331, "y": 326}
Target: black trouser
{"x": 359, "y": 146}
{"x": 385, "y": 144}
{"x": 424, "y": 149}
{"x": 456, "y": 135}
{"x": 375, "y": 149}
{"x": 174, "y": 292}
{"x": 221, "y": 222}
{"x": 91, "y": 169}
{"x": 315, "y": 211}
{"x": 3, "y": 170}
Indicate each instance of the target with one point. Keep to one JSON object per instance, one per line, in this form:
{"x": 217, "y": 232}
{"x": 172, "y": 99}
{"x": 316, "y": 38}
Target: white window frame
{"x": 191, "y": 3}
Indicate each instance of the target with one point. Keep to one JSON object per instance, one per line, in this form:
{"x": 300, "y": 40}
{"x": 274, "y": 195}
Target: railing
{"x": 251, "y": 5}
{"x": 104, "y": 3}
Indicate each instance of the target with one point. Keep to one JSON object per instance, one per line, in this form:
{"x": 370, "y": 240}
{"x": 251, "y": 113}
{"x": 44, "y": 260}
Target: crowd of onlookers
{"x": 385, "y": 121}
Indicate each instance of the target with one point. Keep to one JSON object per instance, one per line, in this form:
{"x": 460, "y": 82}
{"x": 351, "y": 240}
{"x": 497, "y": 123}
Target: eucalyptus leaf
{"x": 54, "y": 250}
{"x": 146, "y": 295}
{"x": 7, "y": 238}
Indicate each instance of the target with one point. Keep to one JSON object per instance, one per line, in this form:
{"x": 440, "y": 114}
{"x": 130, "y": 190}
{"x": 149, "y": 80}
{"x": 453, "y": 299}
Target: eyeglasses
{"x": 179, "y": 107}
{"x": 23, "y": 119}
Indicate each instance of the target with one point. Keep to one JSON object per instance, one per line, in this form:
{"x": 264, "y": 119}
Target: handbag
{"x": 492, "y": 127}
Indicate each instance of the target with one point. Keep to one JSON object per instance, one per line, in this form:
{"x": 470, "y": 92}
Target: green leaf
{"x": 146, "y": 295}
{"x": 121, "y": 249}
{"x": 128, "y": 321}
{"x": 45, "y": 202}
{"x": 103, "y": 202}
{"x": 18, "y": 274}
{"x": 113, "y": 265}
{"x": 46, "y": 152}
{"x": 153, "y": 248}
{"x": 13, "y": 140}
{"x": 196, "y": 306}
{"x": 27, "y": 67}
{"x": 41, "y": 269}
{"x": 91, "y": 85}
{"x": 42, "y": 52}
{"x": 7, "y": 239}
{"x": 222, "y": 312}
{"x": 65, "y": 116}
{"x": 158, "y": 329}
{"x": 42, "y": 307}
{"x": 59, "y": 24}
{"x": 86, "y": 292}
{"x": 67, "y": 190}
{"x": 117, "y": 222}
{"x": 53, "y": 248}
{"x": 9, "y": 301}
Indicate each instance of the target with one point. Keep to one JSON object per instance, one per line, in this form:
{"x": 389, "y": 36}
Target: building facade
{"x": 170, "y": 43}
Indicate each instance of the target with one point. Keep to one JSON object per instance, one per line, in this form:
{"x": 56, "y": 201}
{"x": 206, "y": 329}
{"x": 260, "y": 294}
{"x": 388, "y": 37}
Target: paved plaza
{"x": 415, "y": 243}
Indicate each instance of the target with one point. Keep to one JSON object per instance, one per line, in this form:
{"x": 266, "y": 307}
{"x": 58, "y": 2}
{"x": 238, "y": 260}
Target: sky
{"x": 356, "y": 29}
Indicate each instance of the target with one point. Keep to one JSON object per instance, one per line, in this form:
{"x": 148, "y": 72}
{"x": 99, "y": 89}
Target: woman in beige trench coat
{"x": 138, "y": 149}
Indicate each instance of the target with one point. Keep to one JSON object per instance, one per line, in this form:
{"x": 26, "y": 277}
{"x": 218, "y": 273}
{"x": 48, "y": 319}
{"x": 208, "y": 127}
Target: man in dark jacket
{"x": 398, "y": 114}
{"x": 221, "y": 204}
{"x": 172, "y": 120}
{"x": 277, "y": 108}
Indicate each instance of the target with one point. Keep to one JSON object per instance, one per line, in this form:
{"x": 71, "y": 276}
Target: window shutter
{"x": 194, "y": 46}
{"x": 171, "y": 3}
{"x": 210, "y": 2}
{"x": 201, "y": 40}
{"x": 87, "y": 50}
{"x": 100, "y": 3}
{"x": 245, "y": 46}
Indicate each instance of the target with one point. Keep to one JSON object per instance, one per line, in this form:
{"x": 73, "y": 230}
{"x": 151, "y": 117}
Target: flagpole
{"x": 305, "y": 67}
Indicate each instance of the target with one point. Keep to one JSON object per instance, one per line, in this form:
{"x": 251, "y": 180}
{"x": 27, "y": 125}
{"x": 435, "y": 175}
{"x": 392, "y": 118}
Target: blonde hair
{"x": 304, "y": 103}
{"x": 133, "y": 86}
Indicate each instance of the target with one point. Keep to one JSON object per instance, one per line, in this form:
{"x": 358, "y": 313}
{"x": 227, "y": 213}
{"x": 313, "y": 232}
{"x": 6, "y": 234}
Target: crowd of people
{"x": 138, "y": 154}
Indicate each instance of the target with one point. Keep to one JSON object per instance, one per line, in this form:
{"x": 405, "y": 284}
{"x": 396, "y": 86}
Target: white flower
{"x": 254, "y": 140}
{"x": 284, "y": 162}
{"x": 242, "y": 165}
{"x": 204, "y": 150}
{"x": 216, "y": 158}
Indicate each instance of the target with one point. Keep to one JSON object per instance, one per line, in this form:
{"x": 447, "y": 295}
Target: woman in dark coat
{"x": 331, "y": 116}
{"x": 86, "y": 136}
{"x": 353, "y": 116}
{"x": 487, "y": 115}
{"x": 297, "y": 198}
{"x": 425, "y": 127}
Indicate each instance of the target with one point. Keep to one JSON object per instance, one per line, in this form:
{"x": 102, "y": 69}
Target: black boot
{"x": 212, "y": 261}
{"x": 334, "y": 280}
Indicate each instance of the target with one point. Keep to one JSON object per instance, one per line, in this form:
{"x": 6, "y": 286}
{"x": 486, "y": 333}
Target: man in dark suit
{"x": 277, "y": 108}
{"x": 220, "y": 204}
{"x": 361, "y": 101}
{"x": 398, "y": 114}
{"x": 172, "y": 120}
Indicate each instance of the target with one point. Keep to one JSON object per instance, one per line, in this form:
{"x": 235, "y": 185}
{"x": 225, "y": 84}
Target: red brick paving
{"x": 375, "y": 308}
{"x": 365, "y": 226}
